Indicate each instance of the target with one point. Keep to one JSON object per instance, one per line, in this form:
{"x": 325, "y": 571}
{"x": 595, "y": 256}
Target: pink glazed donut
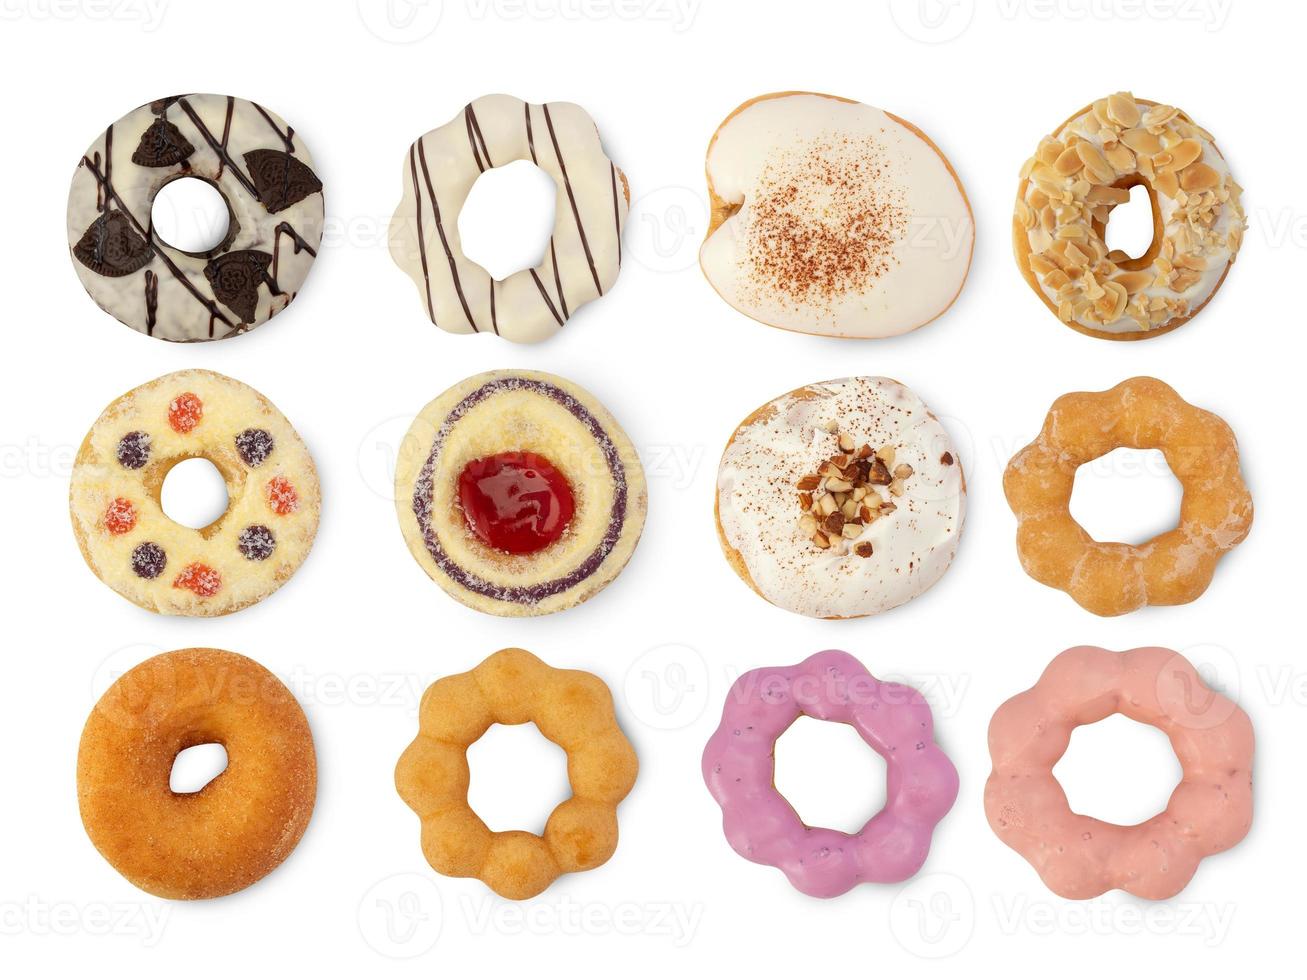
{"x": 894, "y": 719}
{"x": 1078, "y": 856}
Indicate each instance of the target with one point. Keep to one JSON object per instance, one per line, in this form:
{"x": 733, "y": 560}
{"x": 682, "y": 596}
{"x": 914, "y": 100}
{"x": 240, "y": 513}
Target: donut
{"x": 574, "y": 710}
{"x": 841, "y": 499}
{"x": 585, "y": 249}
{"x": 761, "y": 825}
{"x": 1111, "y": 578}
{"x": 832, "y": 217}
{"x": 265, "y": 175}
{"x": 1065, "y": 199}
{"x": 142, "y": 554}
{"x": 519, "y": 494}
{"x": 240, "y": 825}
{"x": 1078, "y": 856}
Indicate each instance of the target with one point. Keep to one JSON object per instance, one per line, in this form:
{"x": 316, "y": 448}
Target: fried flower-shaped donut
{"x": 1110, "y": 578}
{"x": 1077, "y": 856}
{"x": 574, "y": 710}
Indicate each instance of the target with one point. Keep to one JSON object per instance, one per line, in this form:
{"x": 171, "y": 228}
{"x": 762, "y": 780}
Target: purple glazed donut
{"x": 894, "y": 719}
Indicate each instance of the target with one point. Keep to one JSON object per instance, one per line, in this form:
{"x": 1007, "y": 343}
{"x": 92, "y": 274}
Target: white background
{"x": 360, "y": 630}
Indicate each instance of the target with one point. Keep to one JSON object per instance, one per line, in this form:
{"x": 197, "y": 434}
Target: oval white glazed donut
{"x": 274, "y": 199}
{"x": 585, "y": 249}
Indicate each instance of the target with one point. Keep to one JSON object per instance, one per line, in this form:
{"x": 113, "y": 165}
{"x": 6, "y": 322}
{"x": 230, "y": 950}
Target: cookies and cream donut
{"x": 265, "y": 175}
{"x": 832, "y": 217}
{"x": 844, "y": 498}
{"x": 236, "y": 828}
{"x": 1065, "y": 200}
{"x": 519, "y": 493}
{"x": 585, "y": 249}
{"x": 145, "y": 556}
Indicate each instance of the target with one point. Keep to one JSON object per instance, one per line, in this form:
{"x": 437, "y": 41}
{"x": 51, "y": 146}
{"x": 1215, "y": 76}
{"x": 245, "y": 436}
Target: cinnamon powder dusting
{"x": 825, "y": 221}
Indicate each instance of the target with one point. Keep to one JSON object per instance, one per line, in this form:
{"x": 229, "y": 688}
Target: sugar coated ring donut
{"x": 894, "y": 719}
{"x": 585, "y": 249}
{"x": 242, "y": 823}
{"x": 519, "y": 494}
{"x": 1110, "y": 578}
{"x": 265, "y": 175}
{"x": 832, "y": 217}
{"x": 1068, "y": 190}
{"x": 145, "y": 556}
{"x": 574, "y": 710}
{"x": 1080, "y": 857}
{"x": 841, "y": 499}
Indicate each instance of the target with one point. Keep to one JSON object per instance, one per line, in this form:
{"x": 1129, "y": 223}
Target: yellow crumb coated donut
{"x": 574, "y": 710}
{"x": 241, "y": 824}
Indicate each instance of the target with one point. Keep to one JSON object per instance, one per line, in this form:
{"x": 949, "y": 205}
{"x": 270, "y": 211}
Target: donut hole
{"x": 197, "y": 766}
{"x": 1118, "y": 770}
{"x": 829, "y": 775}
{"x": 508, "y": 217}
{"x": 1130, "y": 228}
{"x": 518, "y": 777}
{"x": 194, "y": 494}
{"x": 1128, "y": 496}
{"x": 191, "y": 215}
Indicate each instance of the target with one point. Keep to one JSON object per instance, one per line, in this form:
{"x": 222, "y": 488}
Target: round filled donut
{"x": 519, "y": 493}
{"x": 841, "y": 499}
{"x": 163, "y": 566}
{"x": 585, "y": 249}
{"x": 1068, "y": 191}
{"x": 832, "y": 217}
{"x": 242, "y": 823}
{"x": 265, "y": 175}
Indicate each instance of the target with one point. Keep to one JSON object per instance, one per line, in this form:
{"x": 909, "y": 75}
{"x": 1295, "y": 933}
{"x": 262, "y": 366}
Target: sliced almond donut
{"x": 519, "y": 493}
{"x": 833, "y": 217}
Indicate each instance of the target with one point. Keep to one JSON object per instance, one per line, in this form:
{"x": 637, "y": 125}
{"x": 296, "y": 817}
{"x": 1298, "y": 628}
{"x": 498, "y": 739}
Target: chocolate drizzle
{"x": 474, "y": 136}
{"x": 217, "y": 147}
{"x": 297, "y": 241}
{"x": 571, "y": 197}
{"x": 440, "y": 227}
{"x": 422, "y": 496}
{"x": 151, "y": 302}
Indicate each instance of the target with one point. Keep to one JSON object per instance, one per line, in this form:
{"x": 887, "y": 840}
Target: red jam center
{"x": 515, "y": 502}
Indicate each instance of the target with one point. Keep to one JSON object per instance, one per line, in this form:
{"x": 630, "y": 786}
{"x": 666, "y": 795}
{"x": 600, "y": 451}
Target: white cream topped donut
{"x": 585, "y": 249}
{"x": 263, "y": 171}
{"x": 841, "y": 499}
{"x": 1084, "y": 170}
{"x": 832, "y": 217}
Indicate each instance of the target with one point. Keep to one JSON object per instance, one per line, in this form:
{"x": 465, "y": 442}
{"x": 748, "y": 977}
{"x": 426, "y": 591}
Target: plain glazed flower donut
{"x": 1068, "y": 190}
{"x": 1081, "y": 857}
{"x": 585, "y": 249}
{"x": 1111, "y": 578}
{"x": 574, "y": 710}
{"x": 760, "y": 824}
{"x": 265, "y": 175}
{"x": 242, "y": 823}
{"x": 145, "y": 556}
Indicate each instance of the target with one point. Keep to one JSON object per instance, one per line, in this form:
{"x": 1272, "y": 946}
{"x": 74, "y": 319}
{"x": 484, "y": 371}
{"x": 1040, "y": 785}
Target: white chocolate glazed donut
{"x": 863, "y": 452}
{"x": 832, "y": 217}
{"x": 585, "y": 250}
{"x": 263, "y": 171}
{"x": 1067, "y": 193}
{"x": 163, "y": 566}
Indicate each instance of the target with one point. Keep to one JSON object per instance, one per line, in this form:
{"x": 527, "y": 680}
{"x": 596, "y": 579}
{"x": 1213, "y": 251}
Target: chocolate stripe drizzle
{"x": 218, "y": 148}
{"x": 226, "y": 132}
{"x": 440, "y": 227}
{"x": 494, "y": 319}
{"x": 571, "y": 197}
{"x": 530, "y": 137}
{"x": 617, "y": 214}
{"x": 477, "y": 139}
{"x": 558, "y": 281}
{"x": 422, "y": 242}
{"x": 528, "y": 594}
{"x": 545, "y": 296}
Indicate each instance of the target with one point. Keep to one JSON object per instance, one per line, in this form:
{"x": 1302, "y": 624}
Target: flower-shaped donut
{"x": 894, "y": 719}
{"x": 574, "y": 710}
{"x": 1110, "y": 578}
{"x": 1080, "y": 857}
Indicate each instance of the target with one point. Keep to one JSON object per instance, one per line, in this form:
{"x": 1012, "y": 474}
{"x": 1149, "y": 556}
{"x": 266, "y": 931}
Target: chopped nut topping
{"x": 840, "y": 500}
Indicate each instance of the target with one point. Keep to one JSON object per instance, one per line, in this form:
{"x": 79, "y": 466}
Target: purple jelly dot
{"x": 254, "y": 446}
{"x": 256, "y": 542}
{"x": 149, "y": 560}
{"x": 134, "y": 450}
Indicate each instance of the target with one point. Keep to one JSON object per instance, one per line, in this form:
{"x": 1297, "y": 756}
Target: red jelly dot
{"x": 515, "y": 502}
{"x": 185, "y": 412}
{"x": 200, "y": 579}
{"x": 282, "y": 497}
{"x": 120, "y": 517}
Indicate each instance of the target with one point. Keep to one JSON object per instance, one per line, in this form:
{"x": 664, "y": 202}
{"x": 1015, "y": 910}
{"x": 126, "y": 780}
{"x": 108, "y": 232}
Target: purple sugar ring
{"x": 739, "y": 767}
